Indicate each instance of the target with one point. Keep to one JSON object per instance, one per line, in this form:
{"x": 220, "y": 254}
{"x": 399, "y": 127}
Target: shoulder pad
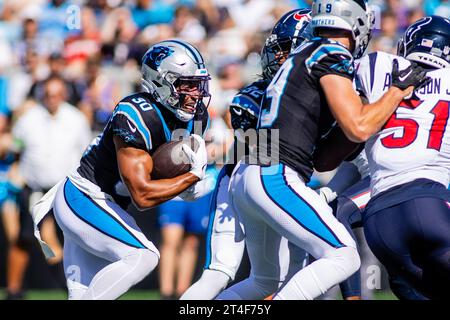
{"x": 326, "y": 50}
{"x": 132, "y": 126}
{"x": 141, "y": 100}
{"x": 250, "y": 97}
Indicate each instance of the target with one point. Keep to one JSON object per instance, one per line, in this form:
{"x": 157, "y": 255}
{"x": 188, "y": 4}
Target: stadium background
{"x": 96, "y": 45}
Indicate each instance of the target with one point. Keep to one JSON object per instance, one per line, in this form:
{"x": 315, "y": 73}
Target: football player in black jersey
{"x": 224, "y": 241}
{"x": 105, "y": 252}
{"x": 311, "y": 91}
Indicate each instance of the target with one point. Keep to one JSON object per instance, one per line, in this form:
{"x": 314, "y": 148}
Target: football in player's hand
{"x": 170, "y": 161}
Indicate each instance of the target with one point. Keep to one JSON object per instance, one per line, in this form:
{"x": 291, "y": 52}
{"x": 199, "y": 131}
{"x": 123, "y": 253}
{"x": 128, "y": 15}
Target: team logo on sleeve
{"x": 345, "y": 66}
{"x": 154, "y": 58}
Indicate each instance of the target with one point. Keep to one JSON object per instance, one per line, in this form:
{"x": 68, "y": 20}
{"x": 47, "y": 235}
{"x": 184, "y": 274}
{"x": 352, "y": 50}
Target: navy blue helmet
{"x": 427, "y": 41}
{"x": 287, "y": 34}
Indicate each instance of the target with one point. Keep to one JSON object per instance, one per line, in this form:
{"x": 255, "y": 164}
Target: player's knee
{"x": 265, "y": 286}
{"x": 214, "y": 279}
{"x": 346, "y": 259}
{"x": 149, "y": 260}
{"x": 143, "y": 261}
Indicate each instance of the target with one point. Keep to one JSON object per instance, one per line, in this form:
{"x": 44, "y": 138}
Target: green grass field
{"x": 61, "y": 295}
{"x": 137, "y": 295}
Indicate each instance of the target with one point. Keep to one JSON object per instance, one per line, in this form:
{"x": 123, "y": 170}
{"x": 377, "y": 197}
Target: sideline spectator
{"x": 51, "y": 137}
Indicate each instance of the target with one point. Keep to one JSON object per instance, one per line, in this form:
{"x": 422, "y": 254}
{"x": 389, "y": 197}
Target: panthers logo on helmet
{"x": 154, "y": 58}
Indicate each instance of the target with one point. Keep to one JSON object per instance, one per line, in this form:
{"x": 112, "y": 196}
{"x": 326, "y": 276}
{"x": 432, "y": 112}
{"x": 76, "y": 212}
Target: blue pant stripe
{"x": 278, "y": 190}
{"x": 90, "y": 212}
{"x": 212, "y": 215}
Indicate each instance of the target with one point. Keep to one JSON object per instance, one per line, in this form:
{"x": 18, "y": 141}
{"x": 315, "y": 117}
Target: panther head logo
{"x": 154, "y": 57}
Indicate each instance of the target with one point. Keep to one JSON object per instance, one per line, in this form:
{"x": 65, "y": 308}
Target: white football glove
{"x": 198, "y": 189}
{"x": 199, "y": 159}
{"x": 327, "y": 194}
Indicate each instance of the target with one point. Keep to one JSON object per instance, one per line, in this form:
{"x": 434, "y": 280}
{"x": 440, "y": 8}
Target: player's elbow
{"x": 140, "y": 206}
{"x": 139, "y": 203}
{"x": 145, "y": 204}
{"x": 358, "y": 133}
{"x": 143, "y": 201}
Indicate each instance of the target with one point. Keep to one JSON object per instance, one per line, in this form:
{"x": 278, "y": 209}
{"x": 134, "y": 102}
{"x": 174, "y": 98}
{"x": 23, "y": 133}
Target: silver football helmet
{"x": 172, "y": 71}
{"x": 351, "y": 15}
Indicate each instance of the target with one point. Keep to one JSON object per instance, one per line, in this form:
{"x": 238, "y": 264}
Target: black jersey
{"x": 294, "y": 109}
{"x": 141, "y": 123}
{"x": 244, "y": 110}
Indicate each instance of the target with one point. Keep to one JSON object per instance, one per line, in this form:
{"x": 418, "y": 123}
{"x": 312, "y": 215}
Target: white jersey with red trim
{"x": 415, "y": 141}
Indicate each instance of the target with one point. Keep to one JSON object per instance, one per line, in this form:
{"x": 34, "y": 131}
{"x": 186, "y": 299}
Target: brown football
{"x": 170, "y": 161}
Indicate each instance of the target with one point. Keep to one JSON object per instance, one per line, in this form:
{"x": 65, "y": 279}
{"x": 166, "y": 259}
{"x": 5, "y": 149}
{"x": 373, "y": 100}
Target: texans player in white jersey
{"x": 308, "y": 94}
{"x": 348, "y": 193}
{"x": 105, "y": 252}
{"x": 407, "y": 220}
{"x": 225, "y": 244}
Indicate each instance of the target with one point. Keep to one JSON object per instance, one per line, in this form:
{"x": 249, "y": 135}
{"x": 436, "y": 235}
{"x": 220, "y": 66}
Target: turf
{"x": 61, "y": 295}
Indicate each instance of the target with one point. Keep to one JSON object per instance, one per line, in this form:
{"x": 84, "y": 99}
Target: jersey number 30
{"x": 440, "y": 112}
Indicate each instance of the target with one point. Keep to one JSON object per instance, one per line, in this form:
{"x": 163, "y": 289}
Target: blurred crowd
{"x": 96, "y": 45}
{"x": 91, "y": 51}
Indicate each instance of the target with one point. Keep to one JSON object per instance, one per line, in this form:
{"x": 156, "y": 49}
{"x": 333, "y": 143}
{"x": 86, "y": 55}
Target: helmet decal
{"x": 417, "y": 27}
{"x": 298, "y": 16}
{"x": 288, "y": 33}
{"x": 154, "y": 57}
{"x": 427, "y": 41}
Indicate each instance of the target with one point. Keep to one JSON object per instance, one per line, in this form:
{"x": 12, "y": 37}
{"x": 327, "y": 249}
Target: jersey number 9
{"x": 274, "y": 93}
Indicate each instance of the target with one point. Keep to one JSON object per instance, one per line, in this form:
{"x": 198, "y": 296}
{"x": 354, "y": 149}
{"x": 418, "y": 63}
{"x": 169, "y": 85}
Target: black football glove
{"x": 414, "y": 76}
